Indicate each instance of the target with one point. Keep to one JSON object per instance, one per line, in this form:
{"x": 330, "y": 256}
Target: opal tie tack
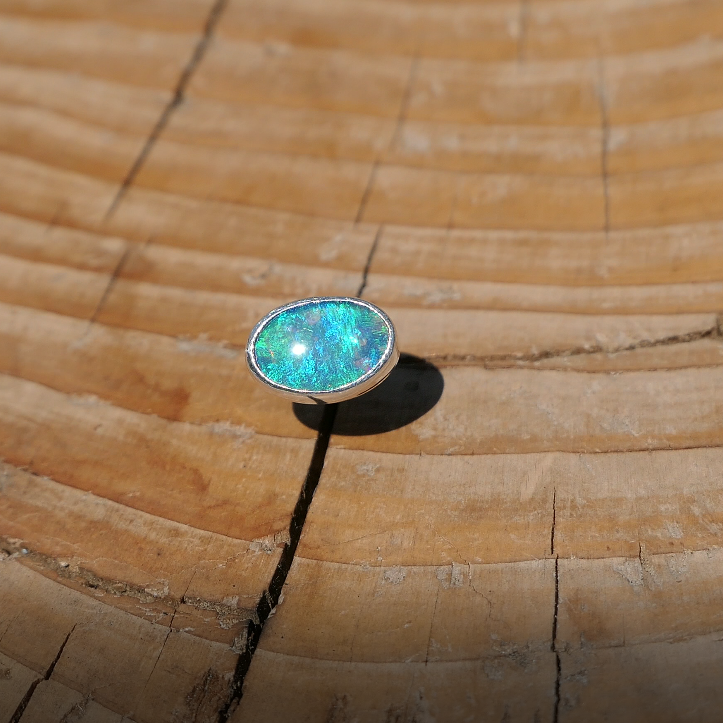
{"x": 323, "y": 349}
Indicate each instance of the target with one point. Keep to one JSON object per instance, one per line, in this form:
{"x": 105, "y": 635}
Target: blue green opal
{"x": 322, "y": 345}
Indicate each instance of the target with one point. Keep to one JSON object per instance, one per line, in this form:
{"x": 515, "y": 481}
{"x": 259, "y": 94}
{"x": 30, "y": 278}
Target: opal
{"x": 322, "y": 345}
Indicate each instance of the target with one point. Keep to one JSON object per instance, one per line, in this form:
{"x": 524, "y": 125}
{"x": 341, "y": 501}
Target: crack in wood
{"x": 714, "y": 331}
{"x": 554, "y": 521}
{"x": 227, "y": 615}
{"x": 77, "y": 711}
{"x": 553, "y": 645}
{"x": 178, "y": 96}
{"x": 272, "y": 596}
{"x": 111, "y": 283}
{"x": 17, "y": 715}
{"x": 155, "y": 662}
{"x": 672, "y": 340}
{"x": 206, "y": 696}
{"x": 20, "y": 710}
{"x": 367, "y": 266}
{"x": 401, "y": 117}
{"x": 367, "y": 192}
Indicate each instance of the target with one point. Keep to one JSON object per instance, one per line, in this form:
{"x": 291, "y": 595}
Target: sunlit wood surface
{"x": 533, "y": 189}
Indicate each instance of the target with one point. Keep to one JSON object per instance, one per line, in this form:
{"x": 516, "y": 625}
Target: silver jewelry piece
{"x": 323, "y": 349}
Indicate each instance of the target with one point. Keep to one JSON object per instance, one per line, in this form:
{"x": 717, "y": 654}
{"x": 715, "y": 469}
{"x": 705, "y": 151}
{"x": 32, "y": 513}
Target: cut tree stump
{"x": 524, "y": 523}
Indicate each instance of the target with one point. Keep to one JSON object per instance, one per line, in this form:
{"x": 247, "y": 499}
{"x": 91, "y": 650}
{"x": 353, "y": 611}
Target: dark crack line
{"x": 367, "y": 193}
{"x": 431, "y": 627}
{"x": 118, "y": 588}
{"x": 401, "y": 117}
{"x": 111, "y": 283}
{"x": 558, "y": 678}
{"x": 473, "y": 359}
{"x": 554, "y": 521}
{"x": 368, "y": 265}
{"x": 51, "y": 668}
{"x": 225, "y": 609}
{"x": 155, "y": 662}
{"x": 270, "y": 599}
{"x": 673, "y": 340}
{"x": 178, "y": 95}
{"x": 114, "y": 277}
{"x": 555, "y": 613}
{"x": 553, "y": 645}
{"x": 18, "y": 714}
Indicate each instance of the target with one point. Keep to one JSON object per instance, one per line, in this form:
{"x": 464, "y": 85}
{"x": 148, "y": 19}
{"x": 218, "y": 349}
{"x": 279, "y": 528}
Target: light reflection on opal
{"x": 322, "y": 345}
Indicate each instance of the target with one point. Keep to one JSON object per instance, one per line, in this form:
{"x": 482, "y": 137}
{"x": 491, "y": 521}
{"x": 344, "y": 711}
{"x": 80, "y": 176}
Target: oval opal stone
{"x": 322, "y": 345}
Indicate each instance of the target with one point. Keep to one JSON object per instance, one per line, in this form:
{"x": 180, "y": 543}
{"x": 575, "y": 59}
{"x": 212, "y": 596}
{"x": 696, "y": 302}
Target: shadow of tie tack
{"x": 409, "y": 392}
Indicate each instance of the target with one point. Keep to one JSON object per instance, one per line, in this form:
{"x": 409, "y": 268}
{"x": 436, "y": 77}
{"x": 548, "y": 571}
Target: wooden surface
{"x": 524, "y": 524}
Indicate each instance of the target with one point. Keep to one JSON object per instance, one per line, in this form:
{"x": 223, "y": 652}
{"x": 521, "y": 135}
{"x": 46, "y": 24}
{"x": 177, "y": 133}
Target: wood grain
{"x": 146, "y": 58}
{"x": 131, "y": 672}
{"x": 680, "y": 682}
{"x": 15, "y": 681}
{"x": 556, "y": 29}
{"x": 485, "y": 31}
{"x": 376, "y": 691}
{"x": 52, "y": 700}
{"x": 523, "y": 523}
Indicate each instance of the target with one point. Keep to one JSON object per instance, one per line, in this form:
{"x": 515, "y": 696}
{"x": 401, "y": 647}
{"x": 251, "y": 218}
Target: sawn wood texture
{"x": 524, "y": 524}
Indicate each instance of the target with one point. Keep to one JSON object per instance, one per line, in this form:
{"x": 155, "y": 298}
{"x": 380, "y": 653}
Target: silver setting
{"x": 364, "y": 384}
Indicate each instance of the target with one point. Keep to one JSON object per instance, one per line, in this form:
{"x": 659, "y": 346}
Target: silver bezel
{"x": 364, "y": 384}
